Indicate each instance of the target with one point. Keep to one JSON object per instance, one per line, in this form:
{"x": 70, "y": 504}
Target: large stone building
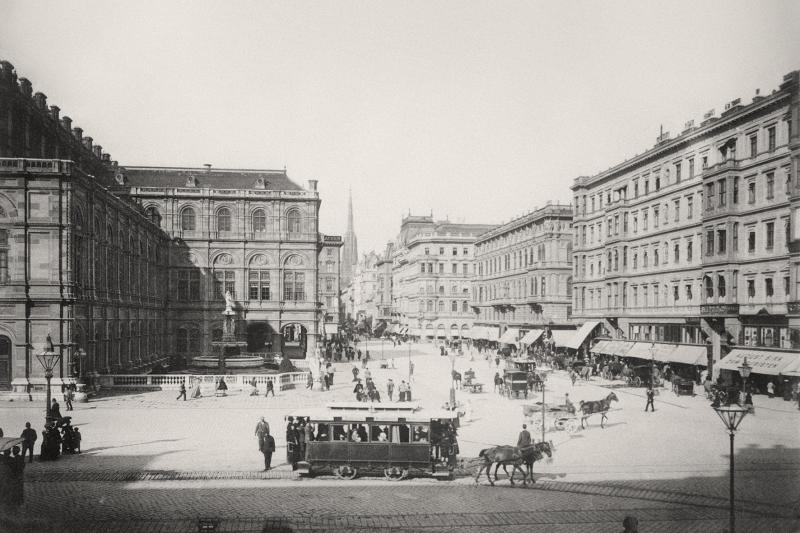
{"x": 126, "y": 268}
{"x": 524, "y": 278}
{"x": 433, "y": 269}
{"x": 687, "y": 243}
{"x": 365, "y": 289}
{"x": 329, "y": 284}
{"x": 384, "y": 288}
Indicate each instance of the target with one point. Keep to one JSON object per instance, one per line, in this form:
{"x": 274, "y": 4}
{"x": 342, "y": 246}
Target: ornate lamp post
{"x": 49, "y": 359}
{"x": 731, "y": 416}
{"x": 744, "y": 371}
{"x": 452, "y": 380}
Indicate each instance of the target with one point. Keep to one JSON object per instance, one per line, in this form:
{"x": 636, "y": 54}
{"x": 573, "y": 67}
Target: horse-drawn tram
{"x": 393, "y": 439}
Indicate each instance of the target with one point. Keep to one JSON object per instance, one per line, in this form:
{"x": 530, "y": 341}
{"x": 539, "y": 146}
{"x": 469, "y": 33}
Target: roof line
{"x": 213, "y": 169}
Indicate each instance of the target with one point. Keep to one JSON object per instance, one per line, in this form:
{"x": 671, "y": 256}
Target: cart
{"x": 515, "y": 382}
{"x": 556, "y": 417}
{"x": 683, "y": 387}
{"x": 470, "y": 384}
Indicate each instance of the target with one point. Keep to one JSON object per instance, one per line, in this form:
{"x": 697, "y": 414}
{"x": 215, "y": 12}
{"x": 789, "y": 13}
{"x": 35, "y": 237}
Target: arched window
{"x": 441, "y": 306}
{"x": 153, "y": 215}
{"x": 293, "y": 220}
{"x": 441, "y": 289}
{"x": 188, "y": 219}
{"x": 465, "y": 306}
{"x": 454, "y": 306}
{"x": 5, "y": 360}
{"x": 224, "y": 219}
{"x": 259, "y": 221}
{"x": 430, "y": 305}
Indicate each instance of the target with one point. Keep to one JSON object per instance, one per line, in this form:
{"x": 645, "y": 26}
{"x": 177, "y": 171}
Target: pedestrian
{"x": 390, "y": 389}
{"x": 524, "y": 438}
{"x": 55, "y": 410}
{"x": 301, "y": 439}
{"x": 355, "y": 373}
{"x": 267, "y": 448}
{"x": 771, "y": 389}
{"x": 573, "y": 376}
{"x": 262, "y": 430}
{"x": 367, "y": 374}
{"x": 68, "y": 395}
{"x": 270, "y": 389}
{"x": 76, "y": 440}
{"x": 253, "y": 387}
{"x": 401, "y": 390}
{"x": 310, "y": 382}
{"x": 29, "y": 437}
{"x": 650, "y": 396}
{"x": 182, "y": 393}
{"x": 569, "y": 405}
{"x": 410, "y": 371}
{"x": 292, "y": 446}
{"x": 222, "y": 387}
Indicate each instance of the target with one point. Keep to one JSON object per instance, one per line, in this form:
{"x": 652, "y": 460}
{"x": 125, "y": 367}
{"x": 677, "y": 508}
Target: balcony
{"x": 719, "y": 310}
{"x": 719, "y": 168}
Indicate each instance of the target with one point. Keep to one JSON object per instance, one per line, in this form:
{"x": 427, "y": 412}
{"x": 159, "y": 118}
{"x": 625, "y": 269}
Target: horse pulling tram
{"x": 395, "y": 439}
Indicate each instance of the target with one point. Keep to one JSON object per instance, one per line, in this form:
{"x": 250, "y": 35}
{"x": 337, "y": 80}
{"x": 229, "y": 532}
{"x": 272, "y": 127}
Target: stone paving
{"x": 160, "y": 455}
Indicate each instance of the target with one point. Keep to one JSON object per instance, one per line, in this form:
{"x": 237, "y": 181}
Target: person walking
{"x": 68, "y": 395}
{"x": 267, "y": 448}
{"x": 262, "y": 430}
{"x": 390, "y": 389}
{"x": 29, "y": 437}
{"x": 76, "y": 440}
{"x": 310, "y": 382}
{"x": 771, "y": 389}
{"x": 410, "y": 371}
{"x": 524, "y": 438}
{"x": 253, "y": 387}
{"x": 270, "y": 389}
{"x": 55, "y": 410}
{"x": 182, "y": 393}
{"x": 650, "y": 396}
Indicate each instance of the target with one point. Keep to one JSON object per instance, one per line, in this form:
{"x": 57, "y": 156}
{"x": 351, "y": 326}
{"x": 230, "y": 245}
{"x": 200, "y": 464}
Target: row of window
{"x": 717, "y": 195}
{"x": 428, "y": 267}
{"x": 517, "y": 289}
{"x": 454, "y": 251}
{"x": 224, "y": 219}
{"x": 187, "y": 285}
{"x": 519, "y": 259}
{"x": 428, "y": 305}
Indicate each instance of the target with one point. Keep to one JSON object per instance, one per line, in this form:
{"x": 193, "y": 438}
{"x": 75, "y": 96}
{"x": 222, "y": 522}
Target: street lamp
{"x": 452, "y": 379}
{"x": 49, "y": 359}
{"x": 731, "y": 416}
{"x": 744, "y": 371}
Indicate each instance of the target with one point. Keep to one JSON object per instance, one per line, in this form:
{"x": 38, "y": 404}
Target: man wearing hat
{"x": 524, "y": 438}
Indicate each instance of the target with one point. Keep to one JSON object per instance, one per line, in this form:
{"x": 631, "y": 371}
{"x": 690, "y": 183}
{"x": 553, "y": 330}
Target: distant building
{"x": 329, "y": 283}
{"x": 690, "y": 243}
{"x": 365, "y": 285}
{"x": 384, "y": 289}
{"x": 431, "y": 277}
{"x": 523, "y": 286}
{"x": 350, "y": 248}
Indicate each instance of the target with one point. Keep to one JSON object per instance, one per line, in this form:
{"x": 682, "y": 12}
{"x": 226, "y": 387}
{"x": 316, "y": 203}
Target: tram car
{"x": 515, "y": 383}
{"x": 396, "y": 440}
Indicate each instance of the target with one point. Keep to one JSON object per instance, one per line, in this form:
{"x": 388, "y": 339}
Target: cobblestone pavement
{"x": 148, "y": 458}
{"x": 255, "y": 506}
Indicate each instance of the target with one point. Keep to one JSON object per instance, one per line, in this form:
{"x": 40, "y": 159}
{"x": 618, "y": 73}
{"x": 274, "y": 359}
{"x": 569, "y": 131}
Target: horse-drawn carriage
{"x": 640, "y": 375}
{"x": 470, "y": 384}
{"x": 557, "y": 417}
{"x": 682, "y": 386}
{"x": 515, "y": 382}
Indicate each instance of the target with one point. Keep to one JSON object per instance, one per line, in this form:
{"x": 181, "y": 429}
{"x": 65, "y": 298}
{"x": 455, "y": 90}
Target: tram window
{"x": 358, "y": 433}
{"x": 323, "y": 432}
{"x": 421, "y": 434}
{"x": 340, "y": 432}
{"x": 400, "y": 433}
{"x": 379, "y": 433}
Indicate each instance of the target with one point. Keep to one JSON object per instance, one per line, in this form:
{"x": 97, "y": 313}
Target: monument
{"x": 228, "y": 348}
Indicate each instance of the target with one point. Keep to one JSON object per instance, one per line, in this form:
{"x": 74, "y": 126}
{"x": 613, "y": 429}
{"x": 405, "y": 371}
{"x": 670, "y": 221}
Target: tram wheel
{"x": 345, "y": 472}
{"x": 394, "y": 473}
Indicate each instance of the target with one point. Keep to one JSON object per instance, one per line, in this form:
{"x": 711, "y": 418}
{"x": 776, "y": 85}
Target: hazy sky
{"x": 478, "y": 111}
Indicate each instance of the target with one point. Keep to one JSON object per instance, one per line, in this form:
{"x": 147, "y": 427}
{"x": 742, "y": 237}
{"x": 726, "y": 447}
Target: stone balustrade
{"x": 241, "y": 382}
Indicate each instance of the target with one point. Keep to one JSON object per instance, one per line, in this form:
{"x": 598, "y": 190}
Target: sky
{"x": 477, "y": 111}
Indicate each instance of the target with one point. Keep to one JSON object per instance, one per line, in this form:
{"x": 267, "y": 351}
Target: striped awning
{"x": 510, "y": 336}
{"x": 601, "y": 347}
{"x": 580, "y": 335}
{"x": 562, "y": 337}
{"x": 531, "y": 336}
{"x": 761, "y": 361}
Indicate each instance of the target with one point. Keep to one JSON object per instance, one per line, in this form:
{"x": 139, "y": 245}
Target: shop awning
{"x": 465, "y": 333}
{"x": 492, "y": 334}
{"x": 689, "y": 355}
{"x": 441, "y": 333}
{"x": 762, "y": 361}
{"x": 663, "y": 352}
{"x": 793, "y": 369}
{"x": 562, "y": 337}
{"x": 600, "y": 347}
{"x": 510, "y": 336}
{"x": 640, "y": 350}
{"x": 531, "y": 336}
{"x": 581, "y": 334}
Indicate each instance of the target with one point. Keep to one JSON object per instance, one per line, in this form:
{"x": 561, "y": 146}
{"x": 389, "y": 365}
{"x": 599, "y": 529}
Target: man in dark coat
{"x": 182, "y": 392}
{"x": 650, "y": 395}
{"x": 524, "y": 438}
{"x": 267, "y": 448}
{"x": 262, "y": 430}
{"x": 29, "y": 435}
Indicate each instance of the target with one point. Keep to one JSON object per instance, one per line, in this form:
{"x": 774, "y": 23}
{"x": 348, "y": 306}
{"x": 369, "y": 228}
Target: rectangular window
{"x": 225, "y": 281}
{"x": 709, "y": 243}
{"x": 441, "y": 250}
{"x": 441, "y": 268}
{"x": 770, "y": 185}
{"x": 635, "y": 223}
{"x": 754, "y": 145}
{"x": 675, "y": 292}
{"x": 689, "y": 207}
{"x": 689, "y": 252}
{"x": 770, "y": 235}
{"x": 709, "y": 196}
{"x": 704, "y": 162}
{"x": 689, "y": 292}
{"x": 722, "y": 192}
{"x": 751, "y": 241}
{"x": 646, "y": 187}
{"x": 735, "y": 237}
{"x": 259, "y": 284}
{"x": 455, "y": 251}
{"x": 676, "y": 253}
{"x": 771, "y": 139}
{"x": 644, "y": 220}
{"x": 691, "y": 167}
{"x": 677, "y": 175}
{"x": 3, "y": 266}
{"x": 625, "y": 222}
{"x": 751, "y": 288}
{"x": 294, "y": 286}
{"x": 455, "y": 268}
{"x": 736, "y": 190}
{"x": 422, "y": 268}
{"x": 677, "y": 209}
{"x": 636, "y": 188}
{"x": 768, "y": 289}
{"x": 655, "y": 216}
{"x": 722, "y": 237}
{"x": 751, "y": 192}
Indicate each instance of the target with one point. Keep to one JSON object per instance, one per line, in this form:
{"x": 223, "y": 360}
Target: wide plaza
{"x": 668, "y": 467}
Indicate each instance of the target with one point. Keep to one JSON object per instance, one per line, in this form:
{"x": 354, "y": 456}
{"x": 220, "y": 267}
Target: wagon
{"x": 681, "y": 386}
{"x": 515, "y": 382}
{"x": 557, "y": 417}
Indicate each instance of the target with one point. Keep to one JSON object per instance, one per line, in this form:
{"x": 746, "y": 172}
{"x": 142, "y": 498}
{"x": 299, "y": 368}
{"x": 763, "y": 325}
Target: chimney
{"x": 6, "y": 70}
{"x": 87, "y": 142}
{"x": 106, "y": 158}
{"x": 208, "y": 166}
{"x": 41, "y": 100}
{"x": 312, "y": 185}
{"x": 54, "y": 110}
{"x": 66, "y": 122}
{"x": 98, "y": 151}
{"x": 77, "y": 133}
{"x": 25, "y": 86}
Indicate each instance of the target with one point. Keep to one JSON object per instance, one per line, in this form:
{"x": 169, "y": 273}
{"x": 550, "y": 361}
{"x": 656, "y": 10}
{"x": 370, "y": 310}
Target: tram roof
{"x": 381, "y": 412}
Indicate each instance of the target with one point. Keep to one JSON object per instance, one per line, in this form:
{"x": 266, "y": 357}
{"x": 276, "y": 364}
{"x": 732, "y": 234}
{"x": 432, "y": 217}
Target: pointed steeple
{"x": 350, "y": 248}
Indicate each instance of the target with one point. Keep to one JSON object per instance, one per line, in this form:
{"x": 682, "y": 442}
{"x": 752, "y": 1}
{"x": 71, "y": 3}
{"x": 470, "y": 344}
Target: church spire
{"x": 350, "y": 248}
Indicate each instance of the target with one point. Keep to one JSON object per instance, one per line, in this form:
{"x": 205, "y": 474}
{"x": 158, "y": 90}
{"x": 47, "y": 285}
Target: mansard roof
{"x": 204, "y": 178}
